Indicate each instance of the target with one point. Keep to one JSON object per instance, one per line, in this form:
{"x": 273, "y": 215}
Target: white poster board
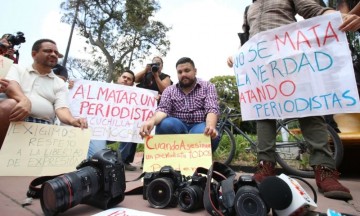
{"x": 114, "y": 112}
{"x": 301, "y": 69}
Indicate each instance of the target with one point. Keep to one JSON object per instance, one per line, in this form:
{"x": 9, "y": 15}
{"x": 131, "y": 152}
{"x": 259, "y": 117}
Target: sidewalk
{"x": 13, "y": 192}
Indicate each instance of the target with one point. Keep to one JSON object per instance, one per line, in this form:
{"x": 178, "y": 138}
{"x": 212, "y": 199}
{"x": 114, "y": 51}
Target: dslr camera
{"x": 247, "y": 199}
{"x": 191, "y": 194}
{"x": 98, "y": 181}
{"x": 154, "y": 67}
{"x": 161, "y": 188}
{"x": 16, "y": 39}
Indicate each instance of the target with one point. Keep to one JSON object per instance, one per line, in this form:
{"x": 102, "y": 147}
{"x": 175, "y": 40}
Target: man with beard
{"x": 190, "y": 106}
{"x": 36, "y": 94}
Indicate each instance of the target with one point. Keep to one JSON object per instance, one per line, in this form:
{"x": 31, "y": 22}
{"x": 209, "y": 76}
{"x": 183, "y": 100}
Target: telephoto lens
{"x": 69, "y": 190}
{"x": 98, "y": 181}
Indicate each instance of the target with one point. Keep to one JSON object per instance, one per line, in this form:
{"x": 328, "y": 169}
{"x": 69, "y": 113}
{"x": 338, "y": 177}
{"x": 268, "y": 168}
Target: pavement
{"x": 13, "y": 193}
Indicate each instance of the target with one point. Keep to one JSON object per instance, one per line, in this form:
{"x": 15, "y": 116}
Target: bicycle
{"x": 292, "y": 151}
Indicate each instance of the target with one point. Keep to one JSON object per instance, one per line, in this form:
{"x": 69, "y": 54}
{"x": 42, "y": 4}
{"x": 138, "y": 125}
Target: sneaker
{"x": 129, "y": 167}
{"x": 264, "y": 169}
{"x": 328, "y": 184}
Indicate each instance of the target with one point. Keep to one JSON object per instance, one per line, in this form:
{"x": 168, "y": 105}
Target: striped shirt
{"x": 192, "y": 107}
{"x": 268, "y": 14}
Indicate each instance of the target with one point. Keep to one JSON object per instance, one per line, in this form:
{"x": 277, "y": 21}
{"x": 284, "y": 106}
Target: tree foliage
{"x": 118, "y": 31}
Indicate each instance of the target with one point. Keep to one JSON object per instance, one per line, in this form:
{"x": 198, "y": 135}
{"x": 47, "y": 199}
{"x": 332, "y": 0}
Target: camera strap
{"x": 215, "y": 202}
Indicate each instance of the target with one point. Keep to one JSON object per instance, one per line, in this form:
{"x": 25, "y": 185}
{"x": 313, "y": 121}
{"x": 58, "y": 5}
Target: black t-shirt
{"x": 148, "y": 81}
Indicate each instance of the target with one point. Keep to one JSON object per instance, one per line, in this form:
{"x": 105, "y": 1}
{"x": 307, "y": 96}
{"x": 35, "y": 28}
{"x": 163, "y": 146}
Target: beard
{"x": 187, "y": 84}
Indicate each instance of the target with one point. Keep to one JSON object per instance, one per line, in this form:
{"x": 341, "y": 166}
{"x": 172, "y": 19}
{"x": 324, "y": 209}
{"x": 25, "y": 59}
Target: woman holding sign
{"x": 264, "y": 15}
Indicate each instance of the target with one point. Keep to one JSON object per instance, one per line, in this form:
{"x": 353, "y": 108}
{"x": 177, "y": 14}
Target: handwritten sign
{"x": 302, "y": 69}
{"x": 114, "y": 112}
{"x": 5, "y": 65}
{"x": 184, "y": 152}
{"x": 119, "y": 211}
{"x": 32, "y": 149}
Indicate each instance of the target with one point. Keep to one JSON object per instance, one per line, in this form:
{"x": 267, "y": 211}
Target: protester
{"x": 36, "y": 94}
{"x": 127, "y": 149}
{"x": 265, "y": 15}
{"x": 190, "y": 106}
{"x": 154, "y": 80}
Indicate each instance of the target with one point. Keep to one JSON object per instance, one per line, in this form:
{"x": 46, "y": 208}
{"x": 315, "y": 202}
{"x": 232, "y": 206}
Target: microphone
{"x": 285, "y": 196}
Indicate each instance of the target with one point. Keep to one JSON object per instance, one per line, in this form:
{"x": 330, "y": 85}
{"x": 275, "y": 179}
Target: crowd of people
{"x": 38, "y": 93}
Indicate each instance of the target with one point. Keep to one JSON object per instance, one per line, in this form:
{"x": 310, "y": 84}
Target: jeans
{"x": 314, "y": 130}
{"x": 95, "y": 146}
{"x": 171, "y": 125}
{"x": 128, "y": 151}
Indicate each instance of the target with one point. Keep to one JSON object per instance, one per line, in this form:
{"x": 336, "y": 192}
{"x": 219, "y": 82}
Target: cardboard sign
{"x": 5, "y": 65}
{"x": 32, "y": 149}
{"x": 114, "y": 112}
{"x": 184, "y": 152}
{"x": 301, "y": 69}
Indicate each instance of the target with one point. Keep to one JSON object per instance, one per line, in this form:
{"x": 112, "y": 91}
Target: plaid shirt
{"x": 37, "y": 120}
{"x": 190, "y": 108}
{"x": 268, "y": 14}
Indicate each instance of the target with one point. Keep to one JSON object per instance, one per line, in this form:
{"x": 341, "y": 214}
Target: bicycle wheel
{"x": 226, "y": 149}
{"x": 293, "y": 152}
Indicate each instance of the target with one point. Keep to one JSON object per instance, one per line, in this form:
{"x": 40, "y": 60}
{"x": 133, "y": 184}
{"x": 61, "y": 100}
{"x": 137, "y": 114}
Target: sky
{"x": 204, "y": 30}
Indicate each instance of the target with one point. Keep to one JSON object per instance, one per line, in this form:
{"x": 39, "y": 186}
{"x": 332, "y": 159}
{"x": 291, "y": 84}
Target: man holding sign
{"x": 265, "y": 15}
{"x": 187, "y": 107}
{"x": 39, "y": 94}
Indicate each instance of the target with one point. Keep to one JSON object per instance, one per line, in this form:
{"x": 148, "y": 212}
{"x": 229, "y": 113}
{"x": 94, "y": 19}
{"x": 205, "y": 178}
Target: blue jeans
{"x": 171, "y": 125}
{"x": 95, "y": 146}
{"x": 128, "y": 151}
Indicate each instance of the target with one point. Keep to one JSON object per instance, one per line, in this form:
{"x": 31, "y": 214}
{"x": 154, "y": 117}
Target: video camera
{"x": 98, "y": 181}
{"x": 16, "y": 39}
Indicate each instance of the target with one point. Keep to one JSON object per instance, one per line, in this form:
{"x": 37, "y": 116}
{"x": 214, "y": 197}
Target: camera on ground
{"x": 161, "y": 188}
{"x": 247, "y": 198}
{"x": 98, "y": 181}
{"x": 192, "y": 193}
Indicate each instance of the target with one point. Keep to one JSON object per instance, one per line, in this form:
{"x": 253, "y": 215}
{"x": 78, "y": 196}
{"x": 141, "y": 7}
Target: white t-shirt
{"x": 46, "y": 92}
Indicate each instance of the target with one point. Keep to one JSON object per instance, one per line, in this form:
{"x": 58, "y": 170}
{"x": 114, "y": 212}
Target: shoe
{"x": 264, "y": 169}
{"x": 328, "y": 184}
{"x": 129, "y": 167}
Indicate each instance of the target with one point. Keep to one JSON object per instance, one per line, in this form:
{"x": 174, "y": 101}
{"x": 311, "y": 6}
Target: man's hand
{"x": 80, "y": 122}
{"x": 146, "y": 128}
{"x": 211, "y": 131}
{"x": 351, "y": 22}
{"x": 3, "y": 85}
{"x": 21, "y": 110}
{"x": 230, "y": 62}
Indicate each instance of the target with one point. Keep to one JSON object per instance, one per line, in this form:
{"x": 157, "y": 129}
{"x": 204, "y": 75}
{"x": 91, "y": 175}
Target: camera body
{"x": 192, "y": 193}
{"x": 98, "y": 181}
{"x": 16, "y": 39}
{"x": 161, "y": 187}
{"x": 154, "y": 67}
{"x": 247, "y": 199}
